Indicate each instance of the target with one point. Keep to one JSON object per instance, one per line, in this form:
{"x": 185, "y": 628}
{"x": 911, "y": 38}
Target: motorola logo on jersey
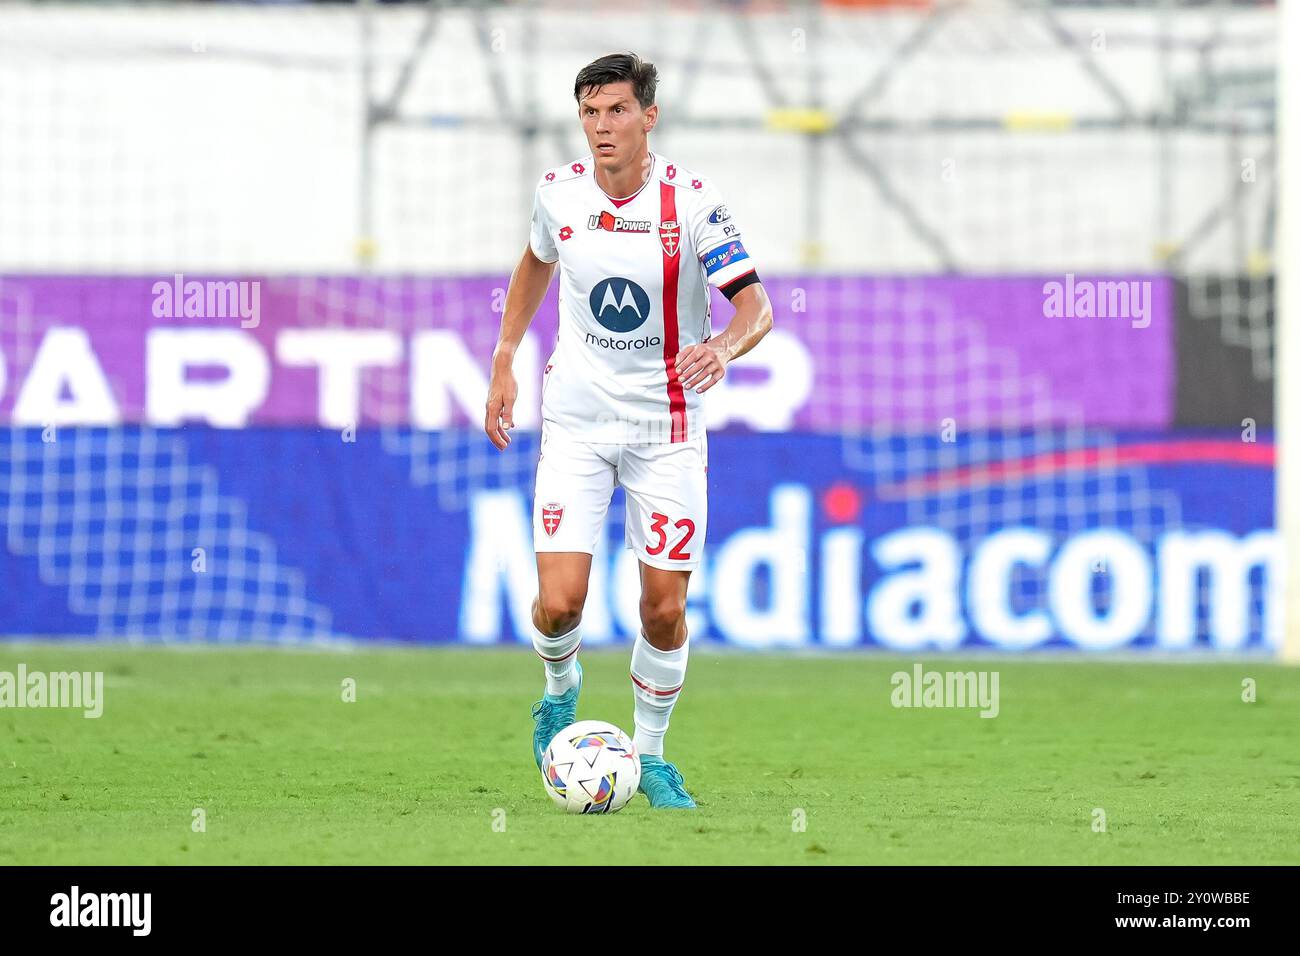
{"x": 624, "y": 345}
{"x": 619, "y": 304}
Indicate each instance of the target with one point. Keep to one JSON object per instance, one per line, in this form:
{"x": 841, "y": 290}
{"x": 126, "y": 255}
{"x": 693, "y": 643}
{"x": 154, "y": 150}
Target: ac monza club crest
{"x": 670, "y": 236}
{"x": 551, "y": 515}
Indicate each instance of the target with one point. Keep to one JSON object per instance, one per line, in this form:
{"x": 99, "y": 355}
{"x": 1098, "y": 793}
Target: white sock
{"x": 559, "y": 654}
{"x": 657, "y": 678}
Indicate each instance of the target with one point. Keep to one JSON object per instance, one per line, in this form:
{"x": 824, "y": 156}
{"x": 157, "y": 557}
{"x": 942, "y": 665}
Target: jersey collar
{"x": 619, "y": 203}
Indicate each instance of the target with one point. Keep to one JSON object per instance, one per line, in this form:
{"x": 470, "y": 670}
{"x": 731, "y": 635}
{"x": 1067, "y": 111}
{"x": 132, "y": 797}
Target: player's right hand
{"x": 500, "y": 418}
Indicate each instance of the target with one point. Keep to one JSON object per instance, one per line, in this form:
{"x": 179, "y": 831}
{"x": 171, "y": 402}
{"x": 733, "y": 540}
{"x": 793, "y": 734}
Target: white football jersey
{"x": 634, "y": 277}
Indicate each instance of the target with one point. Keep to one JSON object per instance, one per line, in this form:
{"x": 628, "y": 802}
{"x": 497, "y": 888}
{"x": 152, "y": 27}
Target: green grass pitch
{"x": 431, "y": 763}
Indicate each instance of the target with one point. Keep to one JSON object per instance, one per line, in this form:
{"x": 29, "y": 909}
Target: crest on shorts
{"x": 669, "y": 236}
{"x": 551, "y": 515}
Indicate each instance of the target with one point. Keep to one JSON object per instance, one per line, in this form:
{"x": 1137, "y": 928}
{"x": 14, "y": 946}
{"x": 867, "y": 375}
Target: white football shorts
{"x": 666, "y": 486}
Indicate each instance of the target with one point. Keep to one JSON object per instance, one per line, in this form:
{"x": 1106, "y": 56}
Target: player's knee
{"x": 559, "y": 613}
{"x": 662, "y": 616}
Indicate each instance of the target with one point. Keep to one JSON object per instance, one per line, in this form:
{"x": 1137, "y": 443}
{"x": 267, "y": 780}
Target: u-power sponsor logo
{"x": 612, "y": 223}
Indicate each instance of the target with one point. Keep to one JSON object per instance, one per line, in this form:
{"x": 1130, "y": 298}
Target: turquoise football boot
{"x": 553, "y": 714}
{"x": 663, "y": 785}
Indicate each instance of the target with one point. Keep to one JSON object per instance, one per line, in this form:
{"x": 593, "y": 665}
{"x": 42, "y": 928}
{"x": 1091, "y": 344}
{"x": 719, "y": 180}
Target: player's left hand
{"x": 704, "y": 362}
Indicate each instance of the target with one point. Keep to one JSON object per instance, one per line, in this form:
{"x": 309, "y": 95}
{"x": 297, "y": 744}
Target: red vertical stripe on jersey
{"x": 672, "y": 268}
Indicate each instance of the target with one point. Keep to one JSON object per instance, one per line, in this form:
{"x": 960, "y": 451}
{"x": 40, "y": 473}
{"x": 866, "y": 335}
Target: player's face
{"x": 615, "y": 124}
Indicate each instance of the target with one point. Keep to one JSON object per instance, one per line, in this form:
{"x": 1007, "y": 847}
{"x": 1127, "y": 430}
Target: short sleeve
{"x": 717, "y": 240}
{"x": 539, "y": 238}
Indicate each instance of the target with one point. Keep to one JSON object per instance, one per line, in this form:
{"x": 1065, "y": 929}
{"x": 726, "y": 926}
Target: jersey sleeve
{"x": 716, "y": 236}
{"x": 539, "y": 238}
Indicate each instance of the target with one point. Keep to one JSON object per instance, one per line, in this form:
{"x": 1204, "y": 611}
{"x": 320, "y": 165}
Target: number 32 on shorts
{"x": 679, "y": 552}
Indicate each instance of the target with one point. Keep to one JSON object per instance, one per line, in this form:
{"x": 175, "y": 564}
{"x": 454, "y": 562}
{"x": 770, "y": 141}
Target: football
{"x": 591, "y": 767}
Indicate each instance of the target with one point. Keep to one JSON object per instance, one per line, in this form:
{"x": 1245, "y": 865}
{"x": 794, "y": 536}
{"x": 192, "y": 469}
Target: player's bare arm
{"x": 705, "y": 364}
{"x": 528, "y": 285}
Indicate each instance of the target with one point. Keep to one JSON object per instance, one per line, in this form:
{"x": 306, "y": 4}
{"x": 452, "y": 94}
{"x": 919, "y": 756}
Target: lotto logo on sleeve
{"x": 723, "y": 256}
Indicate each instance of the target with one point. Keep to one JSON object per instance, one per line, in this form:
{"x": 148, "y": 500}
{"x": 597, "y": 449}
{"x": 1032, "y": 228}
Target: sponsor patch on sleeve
{"x": 723, "y": 256}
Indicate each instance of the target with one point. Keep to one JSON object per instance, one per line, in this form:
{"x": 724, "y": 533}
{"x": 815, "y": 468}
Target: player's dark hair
{"x": 619, "y": 68}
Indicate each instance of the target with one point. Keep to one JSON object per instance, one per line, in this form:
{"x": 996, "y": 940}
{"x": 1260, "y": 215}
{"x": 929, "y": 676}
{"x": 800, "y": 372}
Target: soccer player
{"x": 639, "y": 239}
